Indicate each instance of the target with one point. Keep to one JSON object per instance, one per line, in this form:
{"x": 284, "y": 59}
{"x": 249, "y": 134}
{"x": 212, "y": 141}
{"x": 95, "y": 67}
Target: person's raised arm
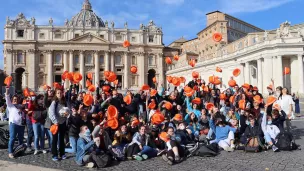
{"x": 7, "y": 98}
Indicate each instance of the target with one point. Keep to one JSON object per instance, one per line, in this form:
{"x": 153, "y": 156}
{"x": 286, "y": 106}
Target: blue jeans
{"x": 73, "y": 143}
{"x": 49, "y": 136}
{"x": 14, "y": 130}
{"x": 268, "y": 138}
{"x": 30, "y": 133}
{"x": 149, "y": 151}
{"x": 210, "y": 134}
{"x": 39, "y": 135}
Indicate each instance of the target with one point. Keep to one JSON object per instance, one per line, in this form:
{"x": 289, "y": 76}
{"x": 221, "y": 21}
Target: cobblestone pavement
{"x": 234, "y": 161}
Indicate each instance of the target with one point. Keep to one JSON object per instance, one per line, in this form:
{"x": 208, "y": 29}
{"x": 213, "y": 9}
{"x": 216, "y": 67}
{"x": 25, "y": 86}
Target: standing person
{"x": 38, "y": 119}
{"x": 57, "y": 119}
{"x": 16, "y": 121}
{"x": 48, "y": 98}
{"x": 29, "y": 124}
{"x": 286, "y": 103}
{"x": 297, "y": 103}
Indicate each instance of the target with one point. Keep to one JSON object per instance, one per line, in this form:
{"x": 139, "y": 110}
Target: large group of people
{"x": 100, "y": 124}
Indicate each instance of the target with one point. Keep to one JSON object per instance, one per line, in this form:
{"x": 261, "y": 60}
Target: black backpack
{"x": 101, "y": 159}
{"x": 4, "y": 138}
{"x": 210, "y": 150}
{"x": 285, "y": 143}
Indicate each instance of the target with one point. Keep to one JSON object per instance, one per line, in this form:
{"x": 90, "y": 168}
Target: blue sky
{"x": 176, "y": 17}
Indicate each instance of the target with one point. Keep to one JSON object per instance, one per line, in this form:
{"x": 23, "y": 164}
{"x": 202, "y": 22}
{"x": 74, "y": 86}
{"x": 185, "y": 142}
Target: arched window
{"x": 151, "y": 62}
{"x": 89, "y": 59}
{"x": 58, "y": 59}
{"x": 41, "y": 59}
{"x": 101, "y": 60}
{"x": 20, "y": 58}
{"x": 117, "y": 60}
{"x": 76, "y": 59}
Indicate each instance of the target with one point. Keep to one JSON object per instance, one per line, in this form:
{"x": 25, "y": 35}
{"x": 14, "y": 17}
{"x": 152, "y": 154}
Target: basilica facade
{"x": 38, "y": 54}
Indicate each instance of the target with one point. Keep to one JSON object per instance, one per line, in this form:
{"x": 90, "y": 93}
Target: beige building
{"x": 260, "y": 55}
{"x": 39, "y": 54}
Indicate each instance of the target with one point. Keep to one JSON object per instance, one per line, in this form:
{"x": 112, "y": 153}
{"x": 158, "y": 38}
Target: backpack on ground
{"x": 4, "y": 138}
{"x": 285, "y": 142}
{"x": 210, "y": 150}
{"x": 101, "y": 159}
{"x": 254, "y": 145}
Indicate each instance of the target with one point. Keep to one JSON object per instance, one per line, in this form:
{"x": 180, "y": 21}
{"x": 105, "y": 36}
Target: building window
{"x": 253, "y": 40}
{"x": 20, "y": 58}
{"x": 57, "y": 35}
{"x": 117, "y": 60}
{"x": 133, "y": 39}
{"x": 134, "y": 81}
{"x": 41, "y": 59}
{"x": 41, "y": 36}
{"x": 240, "y": 45}
{"x": 118, "y": 37}
{"x": 150, "y": 60}
{"x": 76, "y": 59}
{"x": 151, "y": 39}
{"x": 58, "y": 59}
{"x": 89, "y": 59}
{"x": 76, "y": 35}
{"x": 101, "y": 36}
{"x": 133, "y": 60}
{"x": 20, "y": 33}
{"x": 101, "y": 60}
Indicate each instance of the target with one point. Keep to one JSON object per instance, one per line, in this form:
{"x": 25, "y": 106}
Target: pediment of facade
{"x": 88, "y": 38}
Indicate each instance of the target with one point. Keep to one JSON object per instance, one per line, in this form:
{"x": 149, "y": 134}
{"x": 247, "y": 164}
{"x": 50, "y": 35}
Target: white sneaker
{"x": 232, "y": 146}
{"x": 36, "y": 152}
{"x": 90, "y": 165}
{"x": 44, "y": 151}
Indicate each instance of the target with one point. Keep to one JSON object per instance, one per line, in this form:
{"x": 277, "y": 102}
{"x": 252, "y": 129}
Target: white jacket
{"x": 272, "y": 130}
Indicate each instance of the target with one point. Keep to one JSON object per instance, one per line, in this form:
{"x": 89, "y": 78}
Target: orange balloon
{"x": 88, "y": 100}
{"x": 152, "y": 105}
{"x": 242, "y": 104}
{"x": 26, "y": 92}
{"x": 106, "y": 88}
{"x": 8, "y": 80}
{"x": 154, "y": 79}
{"x": 126, "y": 44}
{"x": 209, "y": 106}
{"x": 232, "y": 83}
{"x": 46, "y": 87}
{"x": 222, "y": 96}
{"x": 153, "y": 92}
{"x": 88, "y": 83}
{"x": 178, "y": 117}
{"x": 90, "y": 76}
{"x": 164, "y": 136}
{"x": 135, "y": 122}
{"x": 91, "y": 88}
{"x": 64, "y": 75}
{"x": 246, "y": 85}
{"x": 169, "y": 79}
{"x": 217, "y": 81}
{"x": 133, "y": 69}
{"x": 168, "y": 60}
{"x": 187, "y": 89}
{"x": 218, "y": 69}
{"x": 116, "y": 82}
{"x": 145, "y": 87}
{"x": 112, "y": 112}
{"x": 127, "y": 99}
{"x": 189, "y": 94}
{"x": 32, "y": 93}
{"x": 157, "y": 118}
{"x": 54, "y": 129}
{"x": 236, "y": 72}
{"x": 217, "y": 37}
{"x": 168, "y": 105}
{"x": 176, "y": 57}
{"x": 286, "y": 71}
{"x": 112, "y": 77}
{"x": 192, "y": 62}
{"x": 106, "y": 74}
{"x": 57, "y": 85}
{"x": 182, "y": 79}
{"x": 196, "y": 101}
{"x": 195, "y": 74}
{"x": 257, "y": 99}
{"x": 271, "y": 100}
{"x": 70, "y": 76}
{"x": 176, "y": 81}
{"x": 113, "y": 123}
{"x": 231, "y": 99}
{"x": 77, "y": 77}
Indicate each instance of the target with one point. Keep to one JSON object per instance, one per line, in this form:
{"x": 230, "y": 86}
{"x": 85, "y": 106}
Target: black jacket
{"x": 74, "y": 123}
{"x": 279, "y": 122}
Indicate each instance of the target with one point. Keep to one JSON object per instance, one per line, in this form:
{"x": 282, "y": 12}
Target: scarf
{"x": 86, "y": 138}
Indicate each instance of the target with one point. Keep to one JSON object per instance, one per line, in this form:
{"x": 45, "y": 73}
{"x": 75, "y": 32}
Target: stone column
{"x": 82, "y": 72}
{"x": 279, "y": 72}
{"x": 242, "y": 75}
{"x": 66, "y": 67}
{"x": 247, "y": 73}
{"x": 112, "y": 61}
{"x": 161, "y": 69}
{"x": 26, "y": 79}
{"x": 141, "y": 69}
{"x": 260, "y": 76}
{"x": 50, "y": 68}
{"x": 9, "y": 61}
{"x": 71, "y": 61}
{"x": 267, "y": 74}
{"x": 301, "y": 77}
{"x": 126, "y": 70}
{"x": 97, "y": 67}
{"x": 107, "y": 61}
{"x": 32, "y": 69}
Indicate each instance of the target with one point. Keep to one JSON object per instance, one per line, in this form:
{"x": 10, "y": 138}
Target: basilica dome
{"x": 86, "y": 17}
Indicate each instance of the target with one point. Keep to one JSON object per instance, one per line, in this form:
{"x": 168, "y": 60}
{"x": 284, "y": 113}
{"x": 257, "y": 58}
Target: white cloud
{"x": 238, "y": 6}
{"x": 173, "y": 2}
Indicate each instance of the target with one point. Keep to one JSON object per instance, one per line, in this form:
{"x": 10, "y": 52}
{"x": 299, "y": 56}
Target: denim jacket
{"x": 83, "y": 148}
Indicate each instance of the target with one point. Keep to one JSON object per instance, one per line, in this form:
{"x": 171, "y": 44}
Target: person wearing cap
{"x": 16, "y": 125}
{"x": 193, "y": 108}
{"x": 74, "y": 124}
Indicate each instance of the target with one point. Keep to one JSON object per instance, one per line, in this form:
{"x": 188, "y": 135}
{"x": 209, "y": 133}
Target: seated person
{"x": 224, "y": 134}
{"x": 183, "y": 135}
{"x": 141, "y": 147}
{"x": 270, "y": 131}
{"x": 85, "y": 147}
{"x": 252, "y": 130}
{"x": 175, "y": 152}
{"x": 278, "y": 117}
